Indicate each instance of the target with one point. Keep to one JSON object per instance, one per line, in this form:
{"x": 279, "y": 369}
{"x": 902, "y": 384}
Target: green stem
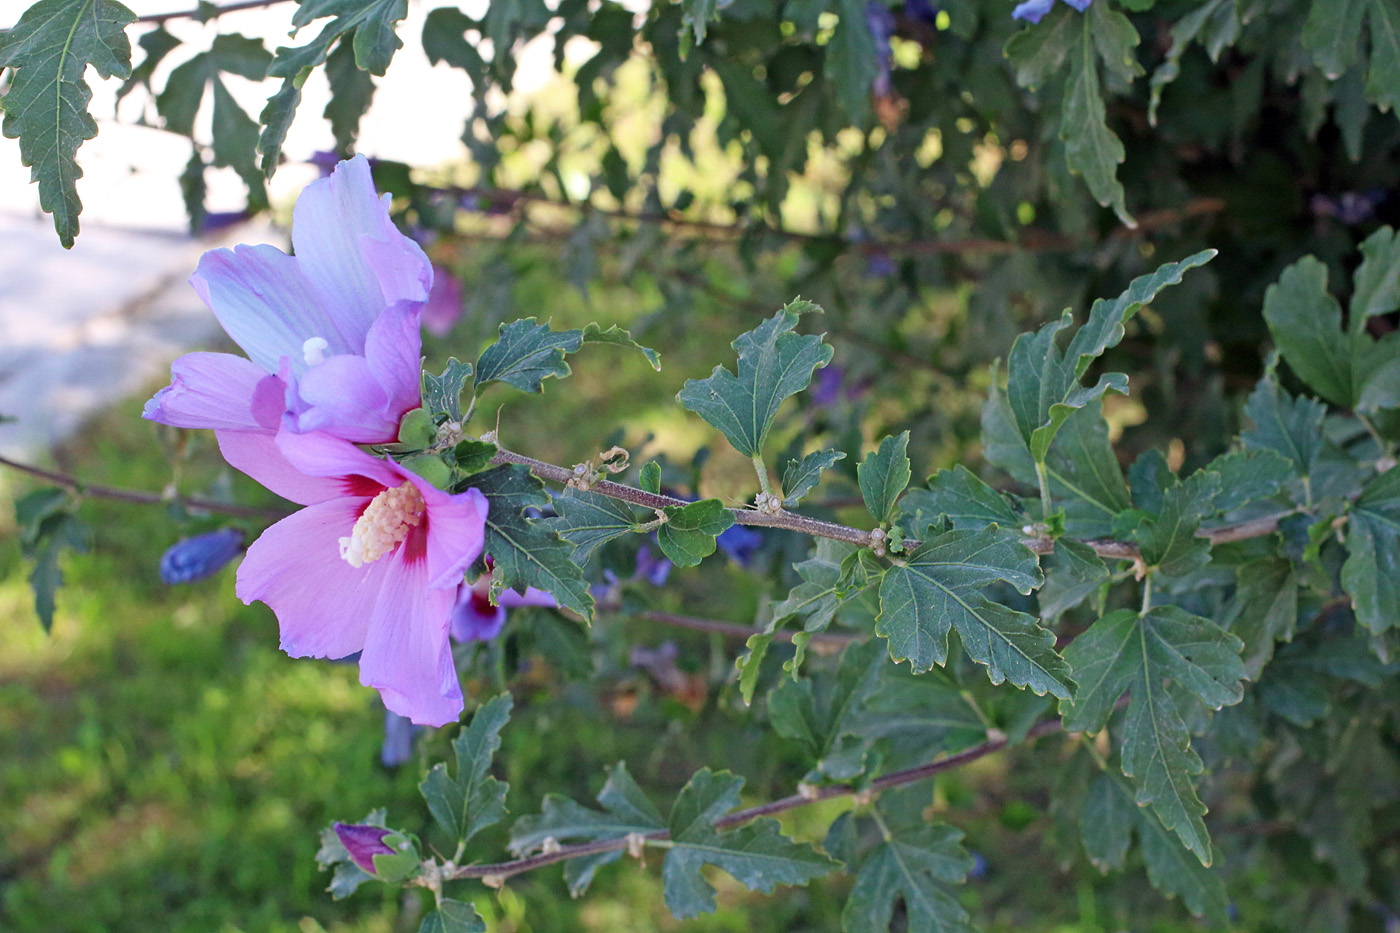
{"x": 1385, "y": 447}
{"x": 971, "y": 701}
{"x": 762, "y": 472}
{"x": 1044, "y": 479}
{"x": 1147, "y": 593}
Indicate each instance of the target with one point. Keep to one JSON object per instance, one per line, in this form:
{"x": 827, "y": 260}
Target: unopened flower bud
{"x": 201, "y": 556}
{"x": 363, "y": 843}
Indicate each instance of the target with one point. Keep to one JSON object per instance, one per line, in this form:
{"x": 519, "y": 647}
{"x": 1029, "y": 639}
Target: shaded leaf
{"x": 617, "y": 337}
{"x": 774, "y": 363}
{"x": 1125, "y": 650}
{"x": 527, "y": 552}
{"x": 472, "y": 800}
{"x": 851, "y": 60}
{"x": 757, "y": 854}
{"x": 801, "y": 477}
{"x": 911, "y": 865}
{"x": 818, "y": 710}
{"x": 588, "y": 521}
{"x": 937, "y": 588}
{"x": 443, "y": 394}
{"x": 961, "y": 497}
{"x": 46, "y": 105}
{"x": 883, "y": 476}
{"x": 1092, "y": 150}
{"x": 1371, "y": 574}
{"x": 453, "y": 917}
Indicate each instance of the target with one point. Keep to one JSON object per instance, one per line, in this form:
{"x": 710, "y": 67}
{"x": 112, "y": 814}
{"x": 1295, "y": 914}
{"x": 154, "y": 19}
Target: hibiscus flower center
{"x": 385, "y": 522}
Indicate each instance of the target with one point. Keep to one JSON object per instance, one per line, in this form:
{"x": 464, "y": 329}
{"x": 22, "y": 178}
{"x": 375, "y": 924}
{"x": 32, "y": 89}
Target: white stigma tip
{"x": 313, "y": 351}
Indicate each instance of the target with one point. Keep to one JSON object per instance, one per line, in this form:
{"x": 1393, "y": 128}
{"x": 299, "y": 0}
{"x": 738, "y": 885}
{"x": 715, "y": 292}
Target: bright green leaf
{"x": 525, "y": 354}
{"x": 883, "y": 476}
{"x": 801, "y": 477}
{"x": 453, "y": 917}
{"x": 961, "y": 497}
{"x": 688, "y": 536}
{"x": 472, "y": 800}
{"x": 617, "y": 337}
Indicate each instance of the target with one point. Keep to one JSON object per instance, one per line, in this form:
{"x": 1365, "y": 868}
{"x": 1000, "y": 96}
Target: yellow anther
{"x": 384, "y": 524}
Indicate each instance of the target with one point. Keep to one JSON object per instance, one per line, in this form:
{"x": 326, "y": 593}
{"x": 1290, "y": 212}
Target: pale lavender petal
{"x": 322, "y": 603}
{"x": 322, "y": 455}
{"x": 257, "y": 454}
{"x": 456, "y": 532}
{"x": 266, "y": 304}
{"x": 474, "y": 618}
{"x": 217, "y": 390}
{"x": 394, "y": 349}
{"x": 1032, "y": 10}
{"x": 407, "y": 657}
{"x": 444, "y": 305}
{"x": 341, "y": 397}
{"x": 510, "y": 599}
{"x": 1080, "y": 5}
{"x": 350, "y": 249}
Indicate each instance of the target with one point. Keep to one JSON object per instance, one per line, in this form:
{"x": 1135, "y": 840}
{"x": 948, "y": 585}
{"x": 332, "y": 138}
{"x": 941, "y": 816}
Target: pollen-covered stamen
{"x": 383, "y": 525}
{"x": 313, "y": 350}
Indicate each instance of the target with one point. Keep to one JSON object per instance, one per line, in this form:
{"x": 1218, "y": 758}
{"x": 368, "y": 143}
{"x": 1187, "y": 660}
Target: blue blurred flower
{"x": 652, "y": 566}
{"x": 398, "y": 739}
{"x": 740, "y": 543}
{"x": 880, "y": 19}
{"x": 191, "y": 559}
{"x": 1033, "y": 10}
{"x": 921, "y": 11}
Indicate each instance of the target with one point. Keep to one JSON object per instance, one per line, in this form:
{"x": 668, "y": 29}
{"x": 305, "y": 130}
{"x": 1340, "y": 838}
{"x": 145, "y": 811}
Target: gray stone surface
{"x": 91, "y": 328}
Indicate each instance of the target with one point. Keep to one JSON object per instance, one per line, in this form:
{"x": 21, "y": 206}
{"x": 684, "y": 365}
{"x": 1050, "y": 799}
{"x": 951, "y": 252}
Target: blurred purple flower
{"x": 740, "y": 543}
{"x": 652, "y": 566}
{"x": 880, "y": 19}
{"x": 195, "y": 558}
{"x": 332, "y": 333}
{"x": 880, "y": 266}
{"x": 363, "y": 843}
{"x": 398, "y": 739}
{"x": 475, "y": 619}
{"x": 444, "y": 304}
{"x": 1033, "y": 10}
{"x": 1351, "y": 208}
{"x": 921, "y": 11}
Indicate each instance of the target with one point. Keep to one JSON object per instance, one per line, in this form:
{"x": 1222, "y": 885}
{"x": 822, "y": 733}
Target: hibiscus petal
{"x": 319, "y": 454}
{"x": 456, "y": 532}
{"x": 264, "y": 301}
{"x": 217, "y": 390}
{"x": 324, "y": 605}
{"x": 350, "y": 249}
{"x": 510, "y": 599}
{"x": 1033, "y": 10}
{"x": 341, "y": 397}
{"x": 474, "y": 618}
{"x": 407, "y": 657}
{"x": 394, "y": 350}
{"x": 257, "y": 454}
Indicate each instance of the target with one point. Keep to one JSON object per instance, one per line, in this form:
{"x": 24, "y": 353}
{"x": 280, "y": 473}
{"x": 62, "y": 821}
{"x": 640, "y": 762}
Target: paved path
{"x": 86, "y": 329}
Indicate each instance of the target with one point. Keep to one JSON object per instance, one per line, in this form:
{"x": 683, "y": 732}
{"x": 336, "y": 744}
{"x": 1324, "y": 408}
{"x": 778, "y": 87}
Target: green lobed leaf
{"x": 442, "y": 395}
{"x": 823, "y": 589}
{"x": 1092, "y": 150}
{"x": 472, "y": 800}
{"x": 525, "y": 354}
{"x": 688, "y": 536}
{"x": 1169, "y": 542}
{"x": 1332, "y": 33}
{"x": 1076, "y": 572}
{"x": 1127, "y": 650}
{"x": 1086, "y": 479}
{"x": 453, "y": 917}
{"x": 1371, "y": 574}
{"x": 1266, "y": 594}
{"x": 696, "y": 16}
{"x": 801, "y": 477}
{"x": 757, "y": 854}
{"x": 1043, "y": 387}
{"x": 1039, "y": 51}
{"x": 1288, "y": 426}
{"x": 588, "y": 521}
{"x": 851, "y": 60}
{"x": 1306, "y": 324}
{"x": 352, "y": 90}
{"x": 937, "y": 588}
{"x": 473, "y": 456}
{"x": 911, "y": 865}
{"x": 883, "y": 476}
{"x": 444, "y": 40}
{"x": 774, "y": 363}
{"x": 925, "y": 713}
{"x": 617, "y": 337}
{"x": 1383, "y": 79}
{"x": 527, "y": 552}
{"x": 1215, "y": 24}
{"x": 626, "y": 810}
{"x": 649, "y": 478}
{"x": 46, "y": 105}
{"x": 962, "y": 498}
{"x": 819, "y": 710}
{"x": 1110, "y": 815}
{"x": 1249, "y": 475}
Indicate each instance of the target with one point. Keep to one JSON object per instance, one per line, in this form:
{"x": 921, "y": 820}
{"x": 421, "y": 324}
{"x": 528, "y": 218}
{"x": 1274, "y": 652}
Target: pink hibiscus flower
{"x": 372, "y": 564}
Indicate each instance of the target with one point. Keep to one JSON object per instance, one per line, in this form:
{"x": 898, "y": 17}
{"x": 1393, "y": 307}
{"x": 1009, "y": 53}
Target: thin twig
{"x": 502, "y": 870}
{"x": 141, "y": 497}
{"x": 197, "y": 13}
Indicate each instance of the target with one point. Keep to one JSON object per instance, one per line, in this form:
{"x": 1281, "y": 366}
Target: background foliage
{"x": 938, "y": 180}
